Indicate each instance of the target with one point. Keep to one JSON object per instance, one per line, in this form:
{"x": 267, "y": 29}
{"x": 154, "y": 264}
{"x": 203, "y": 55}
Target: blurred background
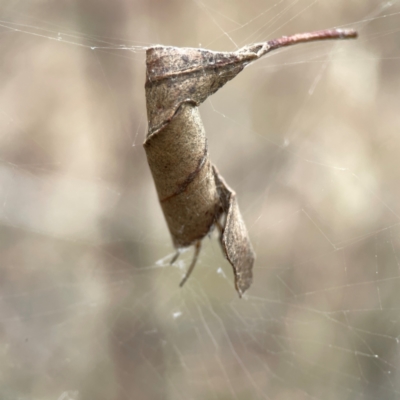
{"x": 308, "y": 138}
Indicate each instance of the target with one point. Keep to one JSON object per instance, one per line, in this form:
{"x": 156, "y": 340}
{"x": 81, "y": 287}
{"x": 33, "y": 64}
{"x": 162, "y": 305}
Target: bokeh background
{"x": 308, "y": 137}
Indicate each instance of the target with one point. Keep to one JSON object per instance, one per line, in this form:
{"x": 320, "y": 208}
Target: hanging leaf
{"x": 192, "y": 194}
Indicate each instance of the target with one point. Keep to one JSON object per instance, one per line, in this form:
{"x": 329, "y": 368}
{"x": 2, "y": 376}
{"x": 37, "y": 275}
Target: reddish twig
{"x": 327, "y": 34}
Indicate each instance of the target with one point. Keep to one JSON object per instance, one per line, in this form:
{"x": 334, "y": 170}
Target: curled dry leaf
{"x": 193, "y": 196}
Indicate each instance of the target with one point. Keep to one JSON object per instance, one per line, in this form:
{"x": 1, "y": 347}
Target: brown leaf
{"x": 193, "y": 196}
{"x": 235, "y": 238}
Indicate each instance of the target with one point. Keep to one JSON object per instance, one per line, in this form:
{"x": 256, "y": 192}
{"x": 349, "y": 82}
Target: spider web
{"x": 90, "y": 307}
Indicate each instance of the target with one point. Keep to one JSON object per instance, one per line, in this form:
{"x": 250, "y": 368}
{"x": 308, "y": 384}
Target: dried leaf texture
{"x": 192, "y": 194}
{"x": 234, "y": 238}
